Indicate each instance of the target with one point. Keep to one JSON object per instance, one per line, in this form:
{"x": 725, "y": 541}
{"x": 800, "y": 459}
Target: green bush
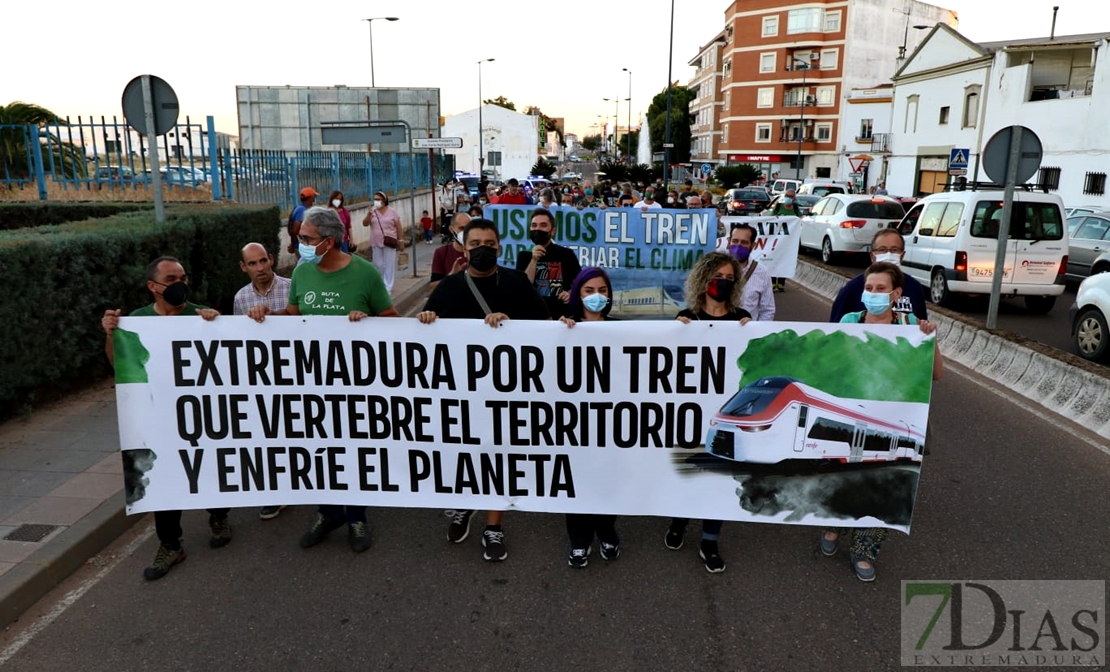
{"x": 28, "y": 215}
{"x": 736, "y": 176}
{"x": 60, "y": 280}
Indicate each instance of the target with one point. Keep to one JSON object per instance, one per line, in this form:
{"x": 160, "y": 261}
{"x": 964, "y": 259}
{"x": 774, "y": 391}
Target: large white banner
{"x": 769, "y": 422}
{"x": 777, "y": 242}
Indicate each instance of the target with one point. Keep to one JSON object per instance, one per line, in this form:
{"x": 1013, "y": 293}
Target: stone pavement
{"x": 61, "y": 478}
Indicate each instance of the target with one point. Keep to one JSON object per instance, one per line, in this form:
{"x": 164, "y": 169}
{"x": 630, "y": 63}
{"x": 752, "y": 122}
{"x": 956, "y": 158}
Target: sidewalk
{"x": 61, "y": 479}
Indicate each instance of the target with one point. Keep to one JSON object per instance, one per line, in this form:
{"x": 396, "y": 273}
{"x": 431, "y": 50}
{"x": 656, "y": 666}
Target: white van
{"x": 952, "y": 241}
{"x": 782, "y": 186}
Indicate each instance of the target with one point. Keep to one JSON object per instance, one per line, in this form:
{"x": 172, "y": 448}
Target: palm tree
{"x": 19, "y": 127}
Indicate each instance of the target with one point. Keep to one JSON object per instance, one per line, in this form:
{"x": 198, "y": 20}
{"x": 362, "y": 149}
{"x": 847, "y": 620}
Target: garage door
{"x": 931, "y": 182}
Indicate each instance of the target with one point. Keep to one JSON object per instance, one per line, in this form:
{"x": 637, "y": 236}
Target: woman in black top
{"x": 711, "y": 294}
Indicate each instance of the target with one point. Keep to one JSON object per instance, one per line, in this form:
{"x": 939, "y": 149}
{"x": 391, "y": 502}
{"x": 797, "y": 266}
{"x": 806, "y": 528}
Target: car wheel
{"x": 938, "y": 289}
{"x": 828, "y": 255}
{"x": 1101, "y": 268}
{"x": 1039, "y": 304}
{"x": 1091, "y": 336}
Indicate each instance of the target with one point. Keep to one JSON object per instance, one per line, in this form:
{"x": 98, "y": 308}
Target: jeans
{"x": 581, "y": 528}
{"x": 710, "y": 529}
{"x": 167, "y": 525}
{"x": 352, "y": 514}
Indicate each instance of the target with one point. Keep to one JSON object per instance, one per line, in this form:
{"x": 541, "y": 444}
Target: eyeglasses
{"x": 307, "y": 240}
{"x": 887, "y": 250}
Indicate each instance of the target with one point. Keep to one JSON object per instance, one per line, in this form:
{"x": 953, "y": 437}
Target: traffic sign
{"x": 437, "y": 143}
{"x": 958, "y": 172}
{"x": 706, "y": 169}
{"x": 957, "y": 160}
{"x": 996, "y": 155}
{"x": 163, "y": 100}
{"x": 668, "y": 145}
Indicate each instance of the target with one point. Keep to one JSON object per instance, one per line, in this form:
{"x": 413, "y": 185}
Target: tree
{"x": 592, "y": 142}
{"x": 543, "y": 167}
{"x": 631, "y": 139}
{"x": 501, "y": 101}
{"x": 28, "y": 120}
{"x": 737, "y": 176}
{"x": 681, "y": 122}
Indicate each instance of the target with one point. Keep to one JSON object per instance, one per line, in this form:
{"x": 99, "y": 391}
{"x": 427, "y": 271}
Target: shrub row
{"x": 29, "y": 215}
{"x": 60, "y": 279}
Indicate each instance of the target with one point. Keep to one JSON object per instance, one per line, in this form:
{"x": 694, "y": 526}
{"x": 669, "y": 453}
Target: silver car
{"x": 1089, "y": 245}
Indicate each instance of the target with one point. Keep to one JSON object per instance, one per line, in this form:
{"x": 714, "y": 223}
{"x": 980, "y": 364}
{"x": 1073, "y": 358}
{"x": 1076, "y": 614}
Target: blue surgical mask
{"x": 595, "y": 303}
{"x": 308, "y": 253}
{"x": 589, "y": 191}
{"x": 876, "y": 304}
{"x": 787, "y": 200}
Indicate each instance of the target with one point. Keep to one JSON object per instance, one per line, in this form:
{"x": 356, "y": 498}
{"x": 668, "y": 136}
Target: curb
{"x": 1057, "y": 381}
{"x": 42, "y": 571}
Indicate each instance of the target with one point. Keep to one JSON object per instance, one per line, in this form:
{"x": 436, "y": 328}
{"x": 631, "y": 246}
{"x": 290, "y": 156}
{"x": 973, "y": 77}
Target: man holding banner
{"x": 484, "y": 292}
{"x": 756, "y": 295}
{"x": 550, "y": 267}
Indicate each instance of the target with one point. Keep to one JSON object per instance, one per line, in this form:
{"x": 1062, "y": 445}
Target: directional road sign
{"x": 437, "y": 143}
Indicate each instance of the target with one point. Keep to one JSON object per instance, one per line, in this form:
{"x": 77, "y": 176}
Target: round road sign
{"x": 164, "y": 101}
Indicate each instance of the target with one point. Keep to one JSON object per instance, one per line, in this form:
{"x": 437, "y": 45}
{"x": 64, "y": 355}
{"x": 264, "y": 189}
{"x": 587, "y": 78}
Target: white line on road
{"x": 24, "y": 638}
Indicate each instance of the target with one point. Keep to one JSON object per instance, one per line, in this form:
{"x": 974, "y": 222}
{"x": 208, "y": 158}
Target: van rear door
{"x": 1036, "y": 245}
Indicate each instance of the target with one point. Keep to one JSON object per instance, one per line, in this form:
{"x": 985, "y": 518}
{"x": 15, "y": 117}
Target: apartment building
{"x": 706, "y": 108}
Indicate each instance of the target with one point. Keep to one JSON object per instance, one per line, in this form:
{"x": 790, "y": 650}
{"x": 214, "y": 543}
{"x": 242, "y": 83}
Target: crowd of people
{"x": 547, "y": 284}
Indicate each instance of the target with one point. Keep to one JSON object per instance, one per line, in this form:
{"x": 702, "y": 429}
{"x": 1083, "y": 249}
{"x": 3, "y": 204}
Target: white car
{"x": 845, "y": 223}
{"x": 1088, "y": 318}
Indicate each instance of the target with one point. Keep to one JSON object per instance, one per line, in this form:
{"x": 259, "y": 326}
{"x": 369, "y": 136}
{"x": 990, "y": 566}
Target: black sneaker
{"x": 494, "y": 543}
{"x": 714, "y": 563}
{"x": 579, "y": 557}
{"x": 318, "y": 530}
{"x": 164, "y": 561}
{"x": 221, "y": 532}
{"x": 609, "y": 551}
{"x": 673, "y": 538}
{"x": 459, "y": 529}
{"x": 270, "y": 512}
{"x": 358, "y": 536}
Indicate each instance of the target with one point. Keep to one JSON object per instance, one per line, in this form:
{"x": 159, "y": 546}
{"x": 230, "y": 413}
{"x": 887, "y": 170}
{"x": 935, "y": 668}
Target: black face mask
{"x": 720, "y": 288}
{"x": 175, "y": 294}
{"x": 539, "y": 237}
{"x": 483, "y": 258}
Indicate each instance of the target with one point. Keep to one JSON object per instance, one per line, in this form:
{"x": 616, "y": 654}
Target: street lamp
{"x": 799, "y": 64}
{"x": 481, "y": 149}
{"x": 370, "y": 24}
{"x": 628, "y": 133}
{"x": 667, "y": 130}
{"x": 613, "y": 147}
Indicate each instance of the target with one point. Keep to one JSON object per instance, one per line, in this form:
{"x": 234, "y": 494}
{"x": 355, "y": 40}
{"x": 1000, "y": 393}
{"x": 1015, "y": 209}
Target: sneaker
{"x": 494, "y": 543}
{"x": 319, "y": 529}
{"x": 358, "y": 536}
{"x": 164, "y": 561}
{"x": 673, "y": 538}
{"x": 609, "y": 551}
{"x": 714, "y": 563}
{"x": 459, "y": 529}
{"x": 579, "y": 557}
{"x": 270, "y": 512}
{"x": 865, "y": 569}
{"x": 829, "y": 546}
{"x": 221, "y": 532}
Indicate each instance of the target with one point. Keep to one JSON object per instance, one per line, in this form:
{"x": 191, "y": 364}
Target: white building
{"x": 865, "y": 136}
{"x": 508, "y": 139}
{"x": 955, "y": 94}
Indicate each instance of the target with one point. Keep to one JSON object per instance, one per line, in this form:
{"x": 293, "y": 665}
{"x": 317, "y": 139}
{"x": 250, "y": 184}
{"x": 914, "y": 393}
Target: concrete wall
{"x": 876, "y": 29}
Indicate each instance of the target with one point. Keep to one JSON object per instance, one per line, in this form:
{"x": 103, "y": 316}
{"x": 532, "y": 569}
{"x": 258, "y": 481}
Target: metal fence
{"x": 104, "y": 155}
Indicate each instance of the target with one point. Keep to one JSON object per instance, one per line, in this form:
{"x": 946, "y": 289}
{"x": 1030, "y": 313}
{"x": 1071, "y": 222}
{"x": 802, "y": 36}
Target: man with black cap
{"x": 308, "y": 198}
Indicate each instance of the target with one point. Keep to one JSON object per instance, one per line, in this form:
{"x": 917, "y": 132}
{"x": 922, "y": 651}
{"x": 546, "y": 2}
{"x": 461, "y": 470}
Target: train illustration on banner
{"x": 779, "y": 418}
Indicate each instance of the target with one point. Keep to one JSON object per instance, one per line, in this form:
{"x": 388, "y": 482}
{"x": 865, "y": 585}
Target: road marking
{"x": 25, "y": 637}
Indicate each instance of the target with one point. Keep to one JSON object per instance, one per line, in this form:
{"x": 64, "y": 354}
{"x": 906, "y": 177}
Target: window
{"x": 825, "y": 96}
{"x": 950, "y": 222}
{"x": 829, "y": 59}
{"x": 911, "y": 114}
{"x": 763, "y": 132}
{"x": 866, "y": 209}
{"x": 1094, "y": 228}
{"x": 1049, "y": 179}
{"x": 767, "y": 62}
{"x": 832, "y": 21}
{"x": 808, "y": 20}
{"x": 819, "y": 209}
{"x": 1028, "y": 221}
{"x": 494, "y": 159}
{"x": 944, "y": 115}
{"x": 796, "y": 96}
{"x": 765, "y": 97}
{"x": 728, "y": 66}
{"x": 770, "y": 26}
{"x": 1094, "y": 184}
{"x": 824, "y": 132}
{"x": 865, "y": 126}
{"x": 930, "y": 219}
{"x": 971, "y": 106}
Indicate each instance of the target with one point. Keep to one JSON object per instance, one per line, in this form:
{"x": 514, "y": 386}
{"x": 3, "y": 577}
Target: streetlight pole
{"x": 613, "y": 147}
{"x": 481, "y": 148}
{"x": 804, "y": 67}
{"x": 667, "y": 130}
{"x": 628, "y": 132}
{"x": 370, "y": 24}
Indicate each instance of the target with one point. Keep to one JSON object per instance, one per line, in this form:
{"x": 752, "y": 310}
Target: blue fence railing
{"x": 103, "y": 155}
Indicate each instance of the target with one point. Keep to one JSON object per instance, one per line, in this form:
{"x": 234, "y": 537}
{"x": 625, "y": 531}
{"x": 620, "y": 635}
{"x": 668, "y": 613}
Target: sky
{"x": 76, "y": 58}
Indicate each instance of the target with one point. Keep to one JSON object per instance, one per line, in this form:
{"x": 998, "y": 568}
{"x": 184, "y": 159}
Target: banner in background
{"x": 815, "y": 424}
{"x": 776, "y": 244}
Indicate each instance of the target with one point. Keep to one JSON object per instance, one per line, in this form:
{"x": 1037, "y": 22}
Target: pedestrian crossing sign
{"x": 957, "y": 160}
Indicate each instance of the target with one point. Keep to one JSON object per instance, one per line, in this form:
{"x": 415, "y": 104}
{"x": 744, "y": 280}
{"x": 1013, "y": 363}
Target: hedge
{"x": 29, "y": 215}
{"x": 60, "y": 279}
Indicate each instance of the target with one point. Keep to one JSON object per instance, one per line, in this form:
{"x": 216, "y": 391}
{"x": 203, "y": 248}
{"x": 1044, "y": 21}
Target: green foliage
{"x": 29, "y": 215}
{"x": 592, "y": 142}
{"x": 60, "y": 279}
{"x": 681, "y": 122}
{"x": 16, "y": 147}
{"x": 843, "y": 365}
{"x": 736, "y": 176}
{"x": 501, "y": 101}
{"x": 642, "y": 173}
{"x": 622, "y": 172}
{"x": 543, "y": 167}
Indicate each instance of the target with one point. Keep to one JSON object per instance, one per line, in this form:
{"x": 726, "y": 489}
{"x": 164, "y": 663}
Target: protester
{"x": 687, "y": 191}
{"x": 336, "y": 201}
{"x": 882, "y": 288}
{"x": 308, "y": 198}
{"x": 674, "y": 202}
{"x": 649, "y": 202}
{"x": 886, "y": 245}
{"x": 494, "y": 294}
{"x": 784, "y": 208}
{"x": 756, "y": 295}
{"x": 168, "y": 284}
{"x": 591, "y": 299}
{"x": 712, "y": 293}
{"x": 547, "y": 198}
{"x": 550, "y": 267}
{"x": 514, "y": 196}
{"x": 332, "y": 282}
{"x": 491, "y": 195}
{"x": 386, "y": 237}
{"x": 450, "y": 259}
{"x": 475, "y": 211}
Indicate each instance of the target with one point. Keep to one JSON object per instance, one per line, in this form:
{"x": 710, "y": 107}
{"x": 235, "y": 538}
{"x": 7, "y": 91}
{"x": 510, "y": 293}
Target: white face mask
{"x": 378, "y": 204}
{"x": 459, "y": 237}
{"x": 337, "y": 202}
{"x": 670, "y": 199}
{"x": 890, "y": 258}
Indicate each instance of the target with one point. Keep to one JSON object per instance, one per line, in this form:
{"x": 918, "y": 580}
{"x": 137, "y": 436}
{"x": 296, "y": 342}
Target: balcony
{"x": 794, "y": 139}
{"x": 880, "y": 142}
{"x": 796, "y": 101}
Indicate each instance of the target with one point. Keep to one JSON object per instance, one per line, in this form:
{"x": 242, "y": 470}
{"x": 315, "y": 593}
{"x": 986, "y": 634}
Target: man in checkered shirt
{"x": 265, "y": 289}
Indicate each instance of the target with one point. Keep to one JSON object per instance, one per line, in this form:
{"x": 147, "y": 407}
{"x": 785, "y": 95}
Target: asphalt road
{"x": 1005, "y": 494}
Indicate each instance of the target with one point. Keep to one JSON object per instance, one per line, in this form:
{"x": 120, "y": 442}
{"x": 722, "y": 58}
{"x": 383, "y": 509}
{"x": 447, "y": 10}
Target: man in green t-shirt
{"x": 168, "y": 284}
{"x": 329, "y": 281}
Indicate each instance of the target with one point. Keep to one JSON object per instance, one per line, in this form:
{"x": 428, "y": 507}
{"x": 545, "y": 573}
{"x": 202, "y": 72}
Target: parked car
{"x": 781, "y": 186}
{"x": 116, "y": 173}
{"x": 272, "y": 177}
{"x": 1088, "y": 245}
{"x": 952, "y": 242}
{"x": 1082, "y": 210}
{"x": 845, "y": 223}
{"x": 1087, "y": 317}
{"x": 803, "y": 204}
{"x": 824, "y": 188}
{"x": 746, "y": 201}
